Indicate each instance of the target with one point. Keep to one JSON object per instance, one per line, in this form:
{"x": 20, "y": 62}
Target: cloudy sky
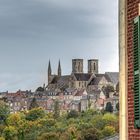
{"x": 34, "y": 31}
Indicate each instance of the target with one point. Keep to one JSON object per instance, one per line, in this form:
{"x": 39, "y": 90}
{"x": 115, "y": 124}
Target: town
{"x": 77, "y": 91}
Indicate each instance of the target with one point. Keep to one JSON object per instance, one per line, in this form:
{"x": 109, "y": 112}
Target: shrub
{"x": 48, "y": 136}
{"x": 90, "y": 134}
{"x": 108, "y": 131}
{"x": 2, "y": 138}
{"x": 111, "y": 119}
{"x": 98, "y": 122}
{"x": 10, "y": 133}
{"x": 73, "y": 114}
{"x": 35, "y": 114}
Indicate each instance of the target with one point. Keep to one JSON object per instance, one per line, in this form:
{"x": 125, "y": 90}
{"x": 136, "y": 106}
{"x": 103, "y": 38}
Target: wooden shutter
{"x": 136, "y": 44}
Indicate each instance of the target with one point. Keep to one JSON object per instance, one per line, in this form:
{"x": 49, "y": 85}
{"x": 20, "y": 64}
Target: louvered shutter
{"x": 136, "y": 44}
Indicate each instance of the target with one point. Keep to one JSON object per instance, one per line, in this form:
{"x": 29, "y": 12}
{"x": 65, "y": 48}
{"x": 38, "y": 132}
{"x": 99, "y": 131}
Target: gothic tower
{"x": 59, "y": 69}
{"x": 93, "y": 66}
{"x": 49, "y": 72}
{"x": 77, "y": 65}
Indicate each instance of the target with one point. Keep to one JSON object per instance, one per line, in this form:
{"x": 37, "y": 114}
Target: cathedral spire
{"x": 49, "y": 71}
{"x": 59, "y": 69}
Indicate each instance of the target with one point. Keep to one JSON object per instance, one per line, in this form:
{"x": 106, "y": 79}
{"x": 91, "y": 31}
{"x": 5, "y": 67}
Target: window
{"x": 94, "y": 66}
{"x": 136, "y": 50}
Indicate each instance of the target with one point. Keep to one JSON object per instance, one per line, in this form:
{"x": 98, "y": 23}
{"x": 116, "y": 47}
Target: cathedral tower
{"x": 59, "y": 69}
{"x": 77, "y": 65}
{"x": 49, "y": 72}
{"x": 93, "y": 66}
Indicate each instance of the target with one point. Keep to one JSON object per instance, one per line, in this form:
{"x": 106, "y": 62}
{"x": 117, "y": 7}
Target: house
{"x": 16, "y": 101}
{"x": 75, "y": 105}
{"x": 84, "y": 103}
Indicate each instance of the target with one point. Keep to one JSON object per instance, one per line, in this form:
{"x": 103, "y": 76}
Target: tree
{"x": 10, "y": 133}
{"x": 33, "y": 104}
{"x": 56, "y": 109}
{"x": 108, "y": 131}
{"x": 40, "y": 89}
{"x": 109, "y": 107}
{"x": 35, "y": 114}
{"x": 4, "y": 112}
{"x": 73, "y": 114}
{"x": 48, "y": 136}
{"x": 91, "y": 134}
{"x": 18, "y": 121}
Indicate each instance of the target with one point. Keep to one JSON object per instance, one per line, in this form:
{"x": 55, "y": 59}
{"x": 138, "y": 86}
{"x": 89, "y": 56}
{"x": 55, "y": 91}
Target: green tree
{"x": 73, "y": 114}
{"x": 111, "y": 120}
{"x": 48, "y": 136}
{"x": 91, "y": 134}
{"x": 33, "y": 104}
{"x": 4, "y": 111}
{"x": 56, "y": 109}
{"x": 10, "y": 133}
{"x": 108, "y": 131}
{"x": 35, "y": 114}
{"x": 18, "y": 121}
{"x": 109, "y": 107}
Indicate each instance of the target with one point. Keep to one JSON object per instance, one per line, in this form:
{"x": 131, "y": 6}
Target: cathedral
{"x": 91, "y": 80}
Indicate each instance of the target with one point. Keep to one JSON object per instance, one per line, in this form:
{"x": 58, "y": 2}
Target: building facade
{"x": 129, "y": 83}
{"x": 79, "y": 79}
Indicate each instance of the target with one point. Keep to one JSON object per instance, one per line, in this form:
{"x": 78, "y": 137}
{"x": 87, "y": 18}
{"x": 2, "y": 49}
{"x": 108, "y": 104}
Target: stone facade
{"x": 80, "y": 80}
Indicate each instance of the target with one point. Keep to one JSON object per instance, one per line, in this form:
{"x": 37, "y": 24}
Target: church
{"x": 89, "y": 81}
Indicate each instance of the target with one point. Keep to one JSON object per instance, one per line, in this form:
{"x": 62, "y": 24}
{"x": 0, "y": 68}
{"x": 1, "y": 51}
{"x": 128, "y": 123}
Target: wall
{"x": 132, "y": 12}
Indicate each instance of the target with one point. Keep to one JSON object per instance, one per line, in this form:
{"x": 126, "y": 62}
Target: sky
{"x": 32, "y": 32}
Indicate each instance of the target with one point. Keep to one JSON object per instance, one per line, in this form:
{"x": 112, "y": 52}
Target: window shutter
{"x": 136, "y": 49}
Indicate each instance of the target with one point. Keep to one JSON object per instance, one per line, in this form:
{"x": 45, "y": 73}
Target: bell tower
{"x": 77, "y": 65}
{"x": 93, "y": 66}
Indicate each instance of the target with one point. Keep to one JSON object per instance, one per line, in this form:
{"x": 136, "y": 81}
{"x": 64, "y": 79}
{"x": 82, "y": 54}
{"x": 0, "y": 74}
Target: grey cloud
{"x": 53, "y": 19}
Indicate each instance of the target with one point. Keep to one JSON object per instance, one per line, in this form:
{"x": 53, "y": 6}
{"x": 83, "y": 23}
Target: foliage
{"x": 14, "y": 119}
{"x": 48, "y": 136}
{"x": 2, "y": 126}
{"x": 56, "y": 109}
{"x": 4, "y": 112}
{"x": 40, "y": 89}
{"x": 2, "y": 138}
{"x": 38, "y": 125}
{"x": 98, "y": 122}
{"x": 35, "y": 114}
{"x": 108, "y": 131}
{"x": 90, "y": 134}
{"x": 33, "y": 104}
{"x": 109, "y": 107}
{"x": 10, "y": 133}
{"x": 73, "y": 114}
